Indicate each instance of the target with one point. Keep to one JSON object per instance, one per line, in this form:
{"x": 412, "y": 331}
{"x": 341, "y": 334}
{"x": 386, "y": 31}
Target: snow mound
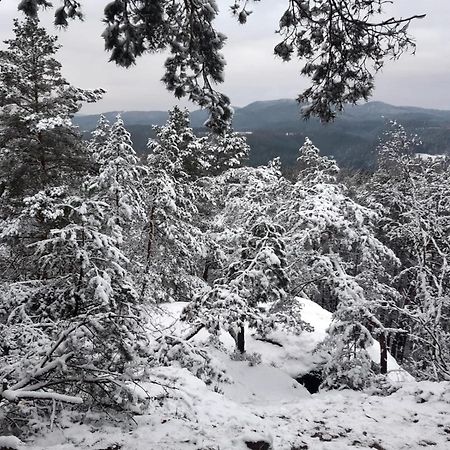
{"x": 290, "y": 353}
{"x": 261, "y": 384}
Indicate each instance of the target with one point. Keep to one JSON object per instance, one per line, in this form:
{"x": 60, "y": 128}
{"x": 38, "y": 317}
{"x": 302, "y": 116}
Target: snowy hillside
{"x": 292, "y": 354}
{"x": 262, "y": 404}
{"x": 416, "y": 416}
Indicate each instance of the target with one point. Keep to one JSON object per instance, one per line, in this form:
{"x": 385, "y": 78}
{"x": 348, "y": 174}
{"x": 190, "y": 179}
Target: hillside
{"x": 261, "y": 405}
{"x": 278, "y": 130}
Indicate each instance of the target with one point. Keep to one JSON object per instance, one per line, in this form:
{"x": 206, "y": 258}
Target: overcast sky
{"x": 252, "y": 72}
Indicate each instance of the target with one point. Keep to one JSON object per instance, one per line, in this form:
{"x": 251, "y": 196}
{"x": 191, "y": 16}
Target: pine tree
{"x": 39, "y": 146}
{"x": 120, "y": 179}
{"x": 177, "y": 148}
{"x": 175, "y": 250}
{"x": 80, "y": 322}
{"x": 99, "y": 137}
{"x": 343, "y": 43}
{"x": 227, "y": 150}
{"x": 314, "y": 168}
{"x": 347, "y": 363}
{"x": 258, "y": 277}
{"x": 336, "y": 260}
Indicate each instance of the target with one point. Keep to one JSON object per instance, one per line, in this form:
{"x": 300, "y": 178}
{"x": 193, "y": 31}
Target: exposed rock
{"x": 258, "y": 445}
{"x": 311, "y": 381}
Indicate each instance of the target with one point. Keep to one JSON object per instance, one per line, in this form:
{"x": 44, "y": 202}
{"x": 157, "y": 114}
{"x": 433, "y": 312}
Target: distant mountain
{"x": 277, "y": 129}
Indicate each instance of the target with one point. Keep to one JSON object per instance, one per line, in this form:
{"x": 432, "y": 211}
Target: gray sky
{"x": 252, "y": 72}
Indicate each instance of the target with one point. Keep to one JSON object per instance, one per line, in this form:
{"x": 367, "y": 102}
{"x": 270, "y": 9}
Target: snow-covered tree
{"x": 258, "y": 277}
{"x": 195, "y": 157}
{"x": 227, "y": 150}
{"x": 412, "y": 196}
{"x": 342, "y": 43}
{"x": 39, "y": 146}
{"x": 177, "y": 148}
{"x": 99, "y": 136}
{"x": 346, "y": 362}
{"x": 120, "y": 179}
{"x": 314, "y": 168}
{"x": 81, "y": 324}
{"x": 175, "y": 251}
{"x": 334, "y": 256}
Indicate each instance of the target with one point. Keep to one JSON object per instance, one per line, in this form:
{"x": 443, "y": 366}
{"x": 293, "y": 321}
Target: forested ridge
{"x": 96, "y": 239}
{"x": 273, "y": 129}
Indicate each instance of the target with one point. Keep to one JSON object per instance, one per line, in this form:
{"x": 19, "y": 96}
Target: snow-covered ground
{"x": 194, "y": 417}
{"x": 264, "y": 403}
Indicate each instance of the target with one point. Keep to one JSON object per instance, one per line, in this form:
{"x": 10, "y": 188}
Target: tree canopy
{"x": 342, "y": 44}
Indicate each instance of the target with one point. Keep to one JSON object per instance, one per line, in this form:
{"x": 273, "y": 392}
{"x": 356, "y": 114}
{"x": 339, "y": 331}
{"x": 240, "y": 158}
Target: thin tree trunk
{"x": 206, "y": 271}
{"x": 240, "y": 341}
{"x": 383, "y": 353}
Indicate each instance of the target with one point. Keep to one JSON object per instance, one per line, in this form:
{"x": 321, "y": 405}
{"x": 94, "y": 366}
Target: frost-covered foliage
{"x": 336, "y": 260}
{"x": 187, "y": 155}
{"x": 85, "y": 255}
{"x": 257, "y": 277}
{"x": 341, "y": 43}
{"x": 177, "y": 149}
{"x": 181, "y": 167}
{"x": 80, "y": 324}
{"x": 119, "y": 182}
{"x": 346, "y": 363}
{"x": 314, "y": 168}
{"x": 175, "y": 248}
{"x": 179, "y": 352}
{"x": 224, "y": 151}
{"x": 99, "y": 136}
{"x": 412, "y": 196}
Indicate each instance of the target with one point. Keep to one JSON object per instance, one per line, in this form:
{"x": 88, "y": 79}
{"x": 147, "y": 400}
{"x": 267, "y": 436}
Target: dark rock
{"x": 311, "y": 381}
{"x": 258, "y": 445}
{"x": 300, "y": 446}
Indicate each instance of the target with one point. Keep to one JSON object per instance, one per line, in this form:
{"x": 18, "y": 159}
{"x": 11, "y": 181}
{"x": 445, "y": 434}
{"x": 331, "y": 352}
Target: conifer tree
{"x": 120, "y": 178}
{"x": 99, "y": 137}
{"x": 314, "y": 168}
{"x": 342, "y": 43}
{"x": 175, "y": 249}
{"x": 258, "y": 277}
{"x": 39, "y": 146}
{"x": 227, "y": 150}
{"x": 80, "y": 322}
{"x": 178, "y": 149}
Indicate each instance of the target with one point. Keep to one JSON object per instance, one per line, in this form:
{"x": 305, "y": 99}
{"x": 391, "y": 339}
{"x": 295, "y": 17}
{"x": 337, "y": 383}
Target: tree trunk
{"x": 240, "y": 341}
{"x": 206, "y": 271}
{"x": 383, "y": 353}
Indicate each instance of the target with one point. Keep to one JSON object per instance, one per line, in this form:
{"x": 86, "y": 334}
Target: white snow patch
{"x": 11, "y": 442}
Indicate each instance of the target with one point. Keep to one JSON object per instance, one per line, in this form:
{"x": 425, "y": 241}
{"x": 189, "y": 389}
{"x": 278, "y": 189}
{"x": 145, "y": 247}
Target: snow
{"x": 294, "y": 353}
{"x": 261, "y": 384}
{"x": 15, "y": 395}
{"x": 428, "y": 157}
{"x": 194, "y": 417}
{"x": 263, "y": 403}
{"x": 10, "y": 442}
